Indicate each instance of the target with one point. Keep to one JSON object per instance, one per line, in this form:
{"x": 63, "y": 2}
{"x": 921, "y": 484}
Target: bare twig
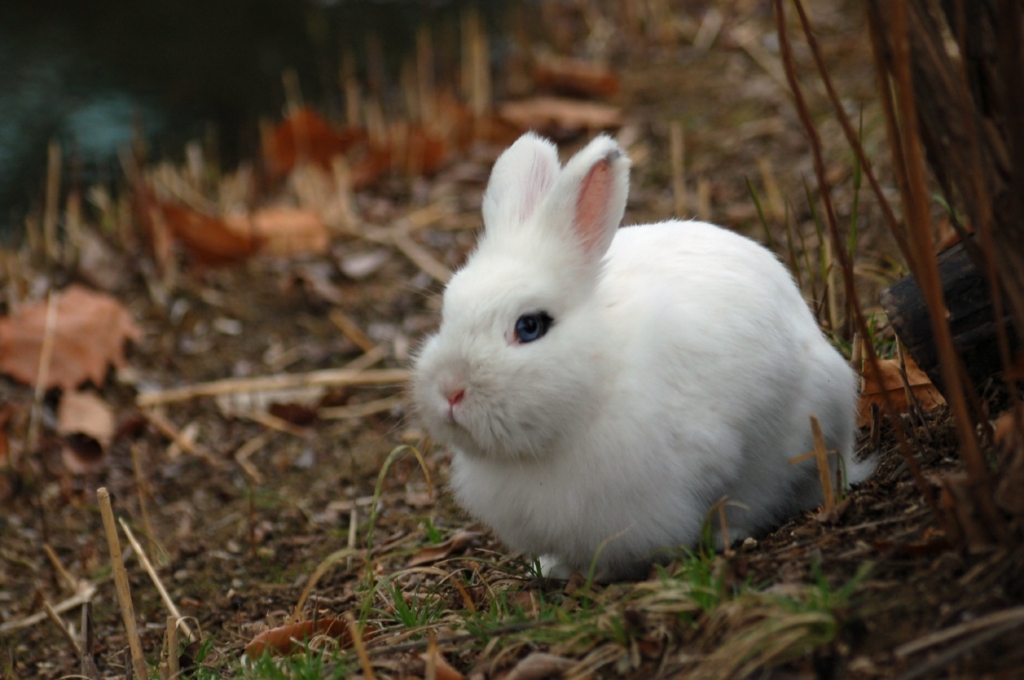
{"x": 144, "y": 561}
{"x": 678, "y": 157}
{"x": 361, "y": 410}
{"x": 172, "y": 645}
{"x": 360, "y": 647}
{"x": 55, "y": 617}
{"x": 844, "y": 257}
{"x": 167, "y": 428}
{"x": 365, "y": 361}
{"x": 83, "y": 596}
{"x": 65, "y": 577}
{"x": 246, "y": 450}
{"x": 821, "y": 457}
{"x": 330, "y": 377}
{"x": 51, "y": 246}
{"x": 351, "y": 330}
{"x": 940, "y": 637}
{"x": 915, "y": 203}
{"x": 43, "y": 374}
{"x": 140, "y": 489}
{"x": 86, "y": 662}
{"x": 124, "y": 595}
{"x": 851, "y": 135}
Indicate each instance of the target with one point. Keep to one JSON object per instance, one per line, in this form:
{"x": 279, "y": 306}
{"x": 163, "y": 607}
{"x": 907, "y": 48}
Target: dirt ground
{"x": 235, "y": 544}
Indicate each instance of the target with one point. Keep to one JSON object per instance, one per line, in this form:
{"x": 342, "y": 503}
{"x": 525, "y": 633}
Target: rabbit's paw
{"x": 552, "y": 567}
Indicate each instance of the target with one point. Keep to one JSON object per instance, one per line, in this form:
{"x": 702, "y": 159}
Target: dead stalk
{"x": 844, "y": 258}
{"x": 915, "y": 204}
{"x": 351, "y": 330}
{"x": 51, "y": 246}
{"x": 357, "y": 643}
{"x": 678, "y": 153}
{"x": 983, "y": 206}
{"x": 43, "y": 374}
{"x": 329, "y": 377}
{"x": 59, "y": 622}
{"x": 148, "y": 566}
{"x": 65, "y": 577}
{"x": 140, "y": 489}
{"x": 172, "y": 645}
{"x": 851, "y": 134}
{"x": 124, "y": 594}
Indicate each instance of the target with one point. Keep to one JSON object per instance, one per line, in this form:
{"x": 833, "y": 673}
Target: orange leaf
{"x": 304, "y": 135}
{"x": 443, "y": 550}
{"x": 209, "y": 240}
{"x": 89, "y": 336}
{"x": 925, "y": 392}
{"x": 284, "y": 639}
{"x": 283, "y": 231}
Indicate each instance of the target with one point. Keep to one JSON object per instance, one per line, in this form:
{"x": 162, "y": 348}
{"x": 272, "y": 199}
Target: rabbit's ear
{"x": 589, "y": 197}
{"x": 521, "y": 179}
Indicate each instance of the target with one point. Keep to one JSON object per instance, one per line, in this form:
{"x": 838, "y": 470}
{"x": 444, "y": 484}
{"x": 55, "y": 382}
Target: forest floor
{"x": 236, "y": 538}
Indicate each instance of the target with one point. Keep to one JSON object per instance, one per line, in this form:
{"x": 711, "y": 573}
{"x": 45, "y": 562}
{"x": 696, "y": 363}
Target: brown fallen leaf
{"x": 539, "y": 665}
{"x": 89, "y": 336}
{"x": 575, "y": 76}
{"x": 209, "y": 240}
{"x": 282, "y": 231}
{"x": 443, "y": 550}
{"x": 925, "y": 392}
{"x": 559, "y": 116}
{"x": 442, "y": 669}
{"x": 285, "y": 639}
{"x": 87, "y": 424}
{"x": 305, "y": 136}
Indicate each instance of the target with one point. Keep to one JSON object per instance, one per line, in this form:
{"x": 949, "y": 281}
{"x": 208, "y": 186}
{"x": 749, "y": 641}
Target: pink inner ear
{"x": 592, "y": 204}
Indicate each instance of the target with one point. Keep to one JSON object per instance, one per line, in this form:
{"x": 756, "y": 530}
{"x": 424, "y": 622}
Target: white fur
{"x": 682, "y": 366}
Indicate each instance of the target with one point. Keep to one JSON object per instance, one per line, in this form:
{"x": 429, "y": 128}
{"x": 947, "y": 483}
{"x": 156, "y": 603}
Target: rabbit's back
{"x": 728, "y": 356}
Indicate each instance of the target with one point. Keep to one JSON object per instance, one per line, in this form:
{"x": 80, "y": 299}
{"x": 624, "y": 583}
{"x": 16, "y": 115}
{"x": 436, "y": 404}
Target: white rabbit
{"x": 602, "y": 388}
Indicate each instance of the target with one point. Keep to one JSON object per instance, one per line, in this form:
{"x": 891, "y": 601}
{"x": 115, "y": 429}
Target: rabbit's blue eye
{"x": 530, "y": 327}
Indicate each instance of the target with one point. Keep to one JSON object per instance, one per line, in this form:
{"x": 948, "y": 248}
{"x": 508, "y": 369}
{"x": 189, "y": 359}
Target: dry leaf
{"x": 575, "y": 76}
{"x": 442, "y": 669}
{"x": 209, "y": 240}
{"x": 285, "y": 639}
{"x": 559, "y": 116}
{"x": 89, "y": 336}
{"x": 443, "y": 550}
{"x": 925, "y": 392}
{"x": 539, "y": 665}
{"x": 282, "y": 231}
{"x": 304, "y": 135}
{"x": 85, "y": 413}
{"x": 86, "y": 423}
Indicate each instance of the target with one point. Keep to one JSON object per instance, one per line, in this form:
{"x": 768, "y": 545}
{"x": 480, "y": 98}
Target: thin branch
{"x": 915, "y": 203}
{"x": 844, "y": 257}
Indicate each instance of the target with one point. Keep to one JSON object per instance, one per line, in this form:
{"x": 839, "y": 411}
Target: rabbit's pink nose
{"x": 455, "y": 396}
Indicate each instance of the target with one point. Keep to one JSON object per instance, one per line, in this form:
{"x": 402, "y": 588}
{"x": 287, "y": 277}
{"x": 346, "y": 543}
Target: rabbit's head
{"x": 517, "y": 362}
